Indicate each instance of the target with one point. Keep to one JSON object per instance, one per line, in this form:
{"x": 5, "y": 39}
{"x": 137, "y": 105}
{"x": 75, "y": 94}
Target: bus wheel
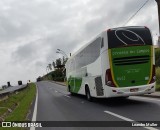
{"x": 69, "y": 89}
{"x": 88, "y": 95}
{"x": 124, "y": 97}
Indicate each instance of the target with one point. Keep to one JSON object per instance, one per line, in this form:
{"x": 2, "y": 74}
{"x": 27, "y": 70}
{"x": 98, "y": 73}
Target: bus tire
{"x": 88, "y": 95}
{"x": 69, "y": 89}
{"x": 124, "y": 97}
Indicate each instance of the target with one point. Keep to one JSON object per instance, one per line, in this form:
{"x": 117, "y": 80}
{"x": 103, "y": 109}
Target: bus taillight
{"x": 153, "y": 79}
{"x": 108, "y": 79}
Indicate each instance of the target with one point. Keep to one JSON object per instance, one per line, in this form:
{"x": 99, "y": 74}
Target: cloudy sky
{"x": 32, "y": 30}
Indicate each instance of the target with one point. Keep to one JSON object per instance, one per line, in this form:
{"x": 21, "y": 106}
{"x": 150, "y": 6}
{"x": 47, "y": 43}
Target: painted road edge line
{"x": 35, "y": 109}
{"x": 127, "y": 119}
{"x": 146, "y": 98}
{"x": 67, "y": 96}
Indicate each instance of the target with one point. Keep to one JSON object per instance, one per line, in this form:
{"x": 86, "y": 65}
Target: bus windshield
{"x": 129, "y": 36}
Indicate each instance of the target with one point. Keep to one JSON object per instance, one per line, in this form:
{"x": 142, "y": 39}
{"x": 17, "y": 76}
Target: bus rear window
{"x": 129, "y": 36}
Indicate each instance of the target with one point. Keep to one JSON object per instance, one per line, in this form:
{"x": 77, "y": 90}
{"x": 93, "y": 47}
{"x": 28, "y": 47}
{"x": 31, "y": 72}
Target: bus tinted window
{"x": 129, "y": 36}
{"x": 89, "y": 54}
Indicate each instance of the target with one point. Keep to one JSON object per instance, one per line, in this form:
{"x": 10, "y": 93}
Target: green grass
{"x": 158, "y": 75}
{"x": 158, "y": 87}
{"x": 23, "y": 99}
{"x": 158, "y": 78}
{"x": 2, "y": 110}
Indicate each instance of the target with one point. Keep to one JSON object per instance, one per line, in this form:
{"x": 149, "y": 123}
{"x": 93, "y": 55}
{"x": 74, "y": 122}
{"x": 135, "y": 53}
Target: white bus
{"x": 119, "y": 62}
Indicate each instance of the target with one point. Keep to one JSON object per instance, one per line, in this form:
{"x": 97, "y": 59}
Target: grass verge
{"x": 158, "y": 79}
{"x": 21, "y": 103}
{"x": 158, "y": 87}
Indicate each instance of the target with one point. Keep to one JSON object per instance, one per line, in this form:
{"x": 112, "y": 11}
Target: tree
{"x": 157, "y": 56}
{"x": 50, "y": 66}
{"x": 59, "y": 70}
{"x": 64, "y": 60}
{"x": 58, "y": 62}
{"x": 54, "y": 65}
{"x": 158, "y": 4}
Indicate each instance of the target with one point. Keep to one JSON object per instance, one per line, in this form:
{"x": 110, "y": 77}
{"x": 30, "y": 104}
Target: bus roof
{"x": 125, "y": 27}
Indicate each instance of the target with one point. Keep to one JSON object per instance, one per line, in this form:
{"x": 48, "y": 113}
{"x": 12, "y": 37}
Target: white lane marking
{"x": 67, "y": 96}
{"x": 119, "y": 116}
{"x": 155, "y": 99}
{"x": 35, "y": 109}
{"x": 62, "y": 93}
{"x": 127, "y": 119}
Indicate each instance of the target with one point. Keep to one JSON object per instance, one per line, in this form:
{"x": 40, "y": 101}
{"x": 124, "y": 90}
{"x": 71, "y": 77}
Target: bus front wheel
{"x": 88, "y": 95}
{"x": 69, "y": 89}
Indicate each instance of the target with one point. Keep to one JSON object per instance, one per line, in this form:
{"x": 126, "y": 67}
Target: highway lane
{"x": 56, "y": 104}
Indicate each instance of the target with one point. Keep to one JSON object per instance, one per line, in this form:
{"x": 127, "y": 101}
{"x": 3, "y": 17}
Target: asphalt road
{"x": 56, "y": 104}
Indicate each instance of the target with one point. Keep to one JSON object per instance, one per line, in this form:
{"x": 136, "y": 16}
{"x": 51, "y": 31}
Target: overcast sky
{"x": 32, "y": 30}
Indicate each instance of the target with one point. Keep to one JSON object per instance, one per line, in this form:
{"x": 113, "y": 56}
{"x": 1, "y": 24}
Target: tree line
{"x": 157, "y": 57}
{"x": 56, "y": 70}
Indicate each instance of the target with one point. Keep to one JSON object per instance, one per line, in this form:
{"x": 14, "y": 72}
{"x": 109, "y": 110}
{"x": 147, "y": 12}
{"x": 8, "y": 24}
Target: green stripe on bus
{"x": 75, "y": 84}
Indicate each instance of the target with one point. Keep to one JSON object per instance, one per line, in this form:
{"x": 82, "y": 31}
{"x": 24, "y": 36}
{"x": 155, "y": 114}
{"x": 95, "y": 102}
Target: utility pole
{"x": 158, "y": 4}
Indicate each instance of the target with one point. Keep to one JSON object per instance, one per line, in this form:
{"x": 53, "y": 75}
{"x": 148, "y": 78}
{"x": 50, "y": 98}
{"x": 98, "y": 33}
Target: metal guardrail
{"x": 11, "y": 90}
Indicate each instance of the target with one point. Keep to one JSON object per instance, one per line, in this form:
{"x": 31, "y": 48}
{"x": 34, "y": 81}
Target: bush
{"x": 60, "y": 79}
{"x": 158, "y": 75}
{"x": 157, "y": 56}
{"x": 157, "y": 87}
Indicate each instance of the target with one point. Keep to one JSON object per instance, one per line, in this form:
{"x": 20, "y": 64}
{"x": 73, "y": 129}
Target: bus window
{"x": 102, "y": 43}
{"x": 129, "y": 36}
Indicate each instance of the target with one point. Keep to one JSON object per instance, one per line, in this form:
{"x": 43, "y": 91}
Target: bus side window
{"x": 102, "y": 43}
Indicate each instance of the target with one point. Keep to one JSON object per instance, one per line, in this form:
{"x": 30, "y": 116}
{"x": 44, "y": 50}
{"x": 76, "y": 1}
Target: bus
{"x": 119, "y": 62}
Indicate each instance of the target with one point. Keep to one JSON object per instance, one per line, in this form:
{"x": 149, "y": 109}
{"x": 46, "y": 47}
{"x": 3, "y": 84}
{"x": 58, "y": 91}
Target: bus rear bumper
{"x": 130, "y": 91}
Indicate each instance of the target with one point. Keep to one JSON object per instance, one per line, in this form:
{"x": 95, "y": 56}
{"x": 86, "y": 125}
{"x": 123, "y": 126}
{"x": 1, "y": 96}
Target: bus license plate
{"x": 134, "y": 90}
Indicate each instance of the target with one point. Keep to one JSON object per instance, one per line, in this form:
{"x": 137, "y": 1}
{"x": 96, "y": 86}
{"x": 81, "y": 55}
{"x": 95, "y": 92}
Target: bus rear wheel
{"x": 88, "y": 95}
